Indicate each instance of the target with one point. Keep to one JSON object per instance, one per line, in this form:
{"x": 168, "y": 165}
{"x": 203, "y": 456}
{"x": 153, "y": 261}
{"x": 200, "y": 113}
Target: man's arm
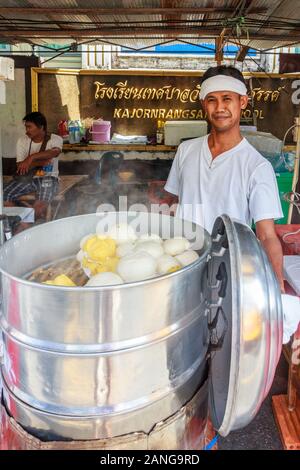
{"x": 42, "y": 158}
{"x": 172, "y": 185}
{"x": 171, "y": 198}
{"x": 172, "y": 201}
{"x": 265, "y": 231}
{"x": 47, "y": 154}
{"x": 37, "y": 159}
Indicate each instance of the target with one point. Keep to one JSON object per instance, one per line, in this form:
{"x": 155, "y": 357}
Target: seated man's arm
{"x": 37, "y": 159}
{"x": 265, "y": 231}
{"x": 42, "y": 158}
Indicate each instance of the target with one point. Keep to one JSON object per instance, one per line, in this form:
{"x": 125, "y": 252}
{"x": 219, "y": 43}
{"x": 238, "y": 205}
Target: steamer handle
{"x": 223, "y": 277}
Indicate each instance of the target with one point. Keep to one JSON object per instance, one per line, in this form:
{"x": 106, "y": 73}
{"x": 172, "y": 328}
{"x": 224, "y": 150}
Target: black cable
{"x": 179, "y": 52}
{"x": 54, "y": 57}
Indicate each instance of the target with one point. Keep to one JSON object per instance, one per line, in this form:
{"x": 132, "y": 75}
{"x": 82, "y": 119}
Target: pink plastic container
{"x": 100, "y": 131}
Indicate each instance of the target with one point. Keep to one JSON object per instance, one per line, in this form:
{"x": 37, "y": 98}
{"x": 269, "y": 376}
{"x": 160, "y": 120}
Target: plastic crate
{"x": 282, "y": 163}
{"x": 289, "y": 236}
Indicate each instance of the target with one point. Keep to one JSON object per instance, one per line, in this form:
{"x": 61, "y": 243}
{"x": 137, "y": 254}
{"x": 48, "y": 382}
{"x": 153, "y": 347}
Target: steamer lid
{"x": 245, "y": 323}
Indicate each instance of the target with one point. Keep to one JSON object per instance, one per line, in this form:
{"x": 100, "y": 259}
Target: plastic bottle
{"x": 77, "y": 135}
{"x": 81, "y": 129}
{"x": 71, "y": 127}
{"x": 160, "y": 132}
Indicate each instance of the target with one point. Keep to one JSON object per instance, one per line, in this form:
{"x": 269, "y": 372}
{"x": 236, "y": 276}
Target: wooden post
{"x": 242, "y": 52}
{"x": 219, "y": 42}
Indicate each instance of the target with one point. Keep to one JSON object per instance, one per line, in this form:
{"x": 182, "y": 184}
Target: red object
{"x": 288, "y": 422}
{"x": 63, "y": 128}
{"x": 287, "y": 407}
{"x": 290, "y": 243}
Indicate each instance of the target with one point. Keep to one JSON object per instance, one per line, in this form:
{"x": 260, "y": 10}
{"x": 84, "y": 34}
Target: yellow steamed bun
{"x": 98, "y": 249}
{"x": 61, "y": 280}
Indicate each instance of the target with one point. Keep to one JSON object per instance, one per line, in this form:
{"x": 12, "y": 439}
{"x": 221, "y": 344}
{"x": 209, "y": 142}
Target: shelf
{"x": 124, "y": 147}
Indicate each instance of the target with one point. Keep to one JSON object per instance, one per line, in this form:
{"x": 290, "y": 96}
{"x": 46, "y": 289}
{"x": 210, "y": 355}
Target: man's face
{"x": 223, "y": 109}
{"x": 32, "y": 130}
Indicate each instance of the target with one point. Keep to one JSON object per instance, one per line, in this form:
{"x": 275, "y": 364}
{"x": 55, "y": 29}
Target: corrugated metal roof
{"x": 275, "y": 25}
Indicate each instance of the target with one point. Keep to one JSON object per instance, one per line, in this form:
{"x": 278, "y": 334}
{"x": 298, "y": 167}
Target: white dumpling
{"x": 119, "y": 232}
{"x": 187, "y": 257}
{"x": 136, "y": 267}
{"x": 153, "y": 248}
{"x": 85, "y": 238}
{"x": 167, "y": 264}
{"x": 104, "y": 279}
{"x": 176, "y": 246}
{"x": 125, "y": 249}
{"x": 150, "y": 237}
{"x": 80, "y": 255}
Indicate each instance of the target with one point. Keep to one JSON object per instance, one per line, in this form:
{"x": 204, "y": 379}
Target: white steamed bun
{"x": 104, "y": 279}
{"x": 136, "y": 267}
{"x": 167, "y": 264}
{"x": 187, "y": 257}
{"x": 125, "y": 249}
{"x": 176, "y": 246}
{"x": 153, "y": 248}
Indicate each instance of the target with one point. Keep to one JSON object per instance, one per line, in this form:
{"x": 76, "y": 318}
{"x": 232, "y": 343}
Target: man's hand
{"x": 29, "y": 162}
{"x": 24, "y": 166}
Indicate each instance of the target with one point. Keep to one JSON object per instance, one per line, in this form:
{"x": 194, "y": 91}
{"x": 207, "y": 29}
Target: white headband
{"x": 222, "y": 83}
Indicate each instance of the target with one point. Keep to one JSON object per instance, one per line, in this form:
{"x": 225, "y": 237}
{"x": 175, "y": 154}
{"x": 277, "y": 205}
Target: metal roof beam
{"x": 122, "y": 11}
{"x": 143, "y": 31}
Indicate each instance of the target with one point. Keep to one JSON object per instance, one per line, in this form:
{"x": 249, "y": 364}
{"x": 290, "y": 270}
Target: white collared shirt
{"x": 239, "y": 182}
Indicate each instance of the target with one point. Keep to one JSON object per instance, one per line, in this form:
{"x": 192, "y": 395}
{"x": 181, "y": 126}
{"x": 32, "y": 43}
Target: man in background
{"x": 37, "y": 165}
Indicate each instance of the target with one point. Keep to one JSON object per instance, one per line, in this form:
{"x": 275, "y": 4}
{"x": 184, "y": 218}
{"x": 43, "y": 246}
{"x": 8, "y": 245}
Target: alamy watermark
{"x": 296, "y": 94}
{"x": 161, "y": 219}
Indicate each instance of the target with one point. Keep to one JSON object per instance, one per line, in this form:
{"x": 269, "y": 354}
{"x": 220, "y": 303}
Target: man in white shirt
{"x": 37, "y": 165}
{"x": 221, "y": 173}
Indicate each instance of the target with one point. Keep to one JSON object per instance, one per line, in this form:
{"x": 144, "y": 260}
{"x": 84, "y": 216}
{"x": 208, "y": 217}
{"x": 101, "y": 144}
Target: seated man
{"x": 37, "y": 165}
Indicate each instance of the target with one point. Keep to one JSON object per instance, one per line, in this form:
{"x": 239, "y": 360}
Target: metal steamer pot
{"x": 141, "y": 362}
